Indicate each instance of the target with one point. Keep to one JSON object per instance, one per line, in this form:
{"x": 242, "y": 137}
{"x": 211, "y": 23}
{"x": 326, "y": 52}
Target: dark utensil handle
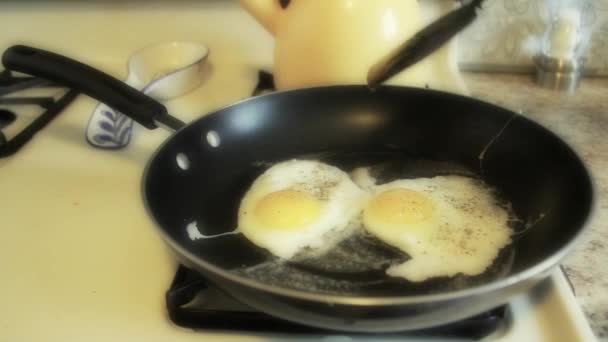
{"x": 90, "y": 81}
{"x": 423, "y": 43}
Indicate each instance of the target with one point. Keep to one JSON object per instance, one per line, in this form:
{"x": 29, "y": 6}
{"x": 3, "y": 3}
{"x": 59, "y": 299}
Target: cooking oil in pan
{"x": 357, "y": 263}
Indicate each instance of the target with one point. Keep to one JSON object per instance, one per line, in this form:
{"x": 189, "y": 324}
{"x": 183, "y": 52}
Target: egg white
{"x": 339, "y": 198}
{"x": 463, "y": 234}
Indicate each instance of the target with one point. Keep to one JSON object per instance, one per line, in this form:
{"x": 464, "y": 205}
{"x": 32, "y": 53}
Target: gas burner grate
{"x": 265, "y": 83}
{"x": 10, "y": 84}
{"x": 192, "y": 302}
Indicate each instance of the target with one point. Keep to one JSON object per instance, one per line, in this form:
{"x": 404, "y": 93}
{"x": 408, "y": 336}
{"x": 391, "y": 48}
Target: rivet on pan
{"x": 213, "y": 139}
{"x": 182, "y": 161}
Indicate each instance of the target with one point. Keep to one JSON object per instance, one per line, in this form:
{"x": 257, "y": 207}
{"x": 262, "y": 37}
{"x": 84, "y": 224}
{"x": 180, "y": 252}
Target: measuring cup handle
{"x": 90, "y": 81}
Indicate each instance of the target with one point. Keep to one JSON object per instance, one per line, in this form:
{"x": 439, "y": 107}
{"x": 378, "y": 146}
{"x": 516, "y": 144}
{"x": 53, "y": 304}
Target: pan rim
{"x": 511, "y": 280}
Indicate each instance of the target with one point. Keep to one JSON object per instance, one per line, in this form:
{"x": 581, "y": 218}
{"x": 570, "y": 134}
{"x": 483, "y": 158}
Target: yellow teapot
{"x": 321, "y": 42}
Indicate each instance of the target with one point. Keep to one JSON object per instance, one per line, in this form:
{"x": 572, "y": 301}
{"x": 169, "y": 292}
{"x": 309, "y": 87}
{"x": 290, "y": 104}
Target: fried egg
{"x": 447, "y": 225}
{"x": 299, "y": 204}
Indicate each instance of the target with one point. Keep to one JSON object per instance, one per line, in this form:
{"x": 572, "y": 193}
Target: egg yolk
{"x": 287, "y": 209}
{"x": 399, "y": 207}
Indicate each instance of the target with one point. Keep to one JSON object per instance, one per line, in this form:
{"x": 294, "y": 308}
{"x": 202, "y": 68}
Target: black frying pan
{"x": 203, "y": 170}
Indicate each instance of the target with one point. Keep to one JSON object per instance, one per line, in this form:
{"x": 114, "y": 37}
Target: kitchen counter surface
{"x": 581, "y": 119}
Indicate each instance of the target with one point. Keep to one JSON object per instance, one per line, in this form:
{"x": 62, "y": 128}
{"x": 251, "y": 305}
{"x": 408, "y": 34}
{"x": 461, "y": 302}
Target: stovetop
{"x": 81, "y": 259}
{"x": 193, "y": 303}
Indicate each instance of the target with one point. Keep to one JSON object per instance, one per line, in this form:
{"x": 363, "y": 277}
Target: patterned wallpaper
{"x": 501, "y": 35}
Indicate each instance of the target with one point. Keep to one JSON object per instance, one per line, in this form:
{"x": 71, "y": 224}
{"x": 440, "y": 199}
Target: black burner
{"x": 51, "y": 108}
{"x": 6, "y": 118}
{"x": 10, "y": 83}
{"x": 265, "y": 83}
{"x": 192, "y": 302}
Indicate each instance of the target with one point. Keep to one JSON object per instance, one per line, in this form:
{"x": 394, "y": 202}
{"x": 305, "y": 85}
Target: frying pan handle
{"x": 90, "y": 81}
